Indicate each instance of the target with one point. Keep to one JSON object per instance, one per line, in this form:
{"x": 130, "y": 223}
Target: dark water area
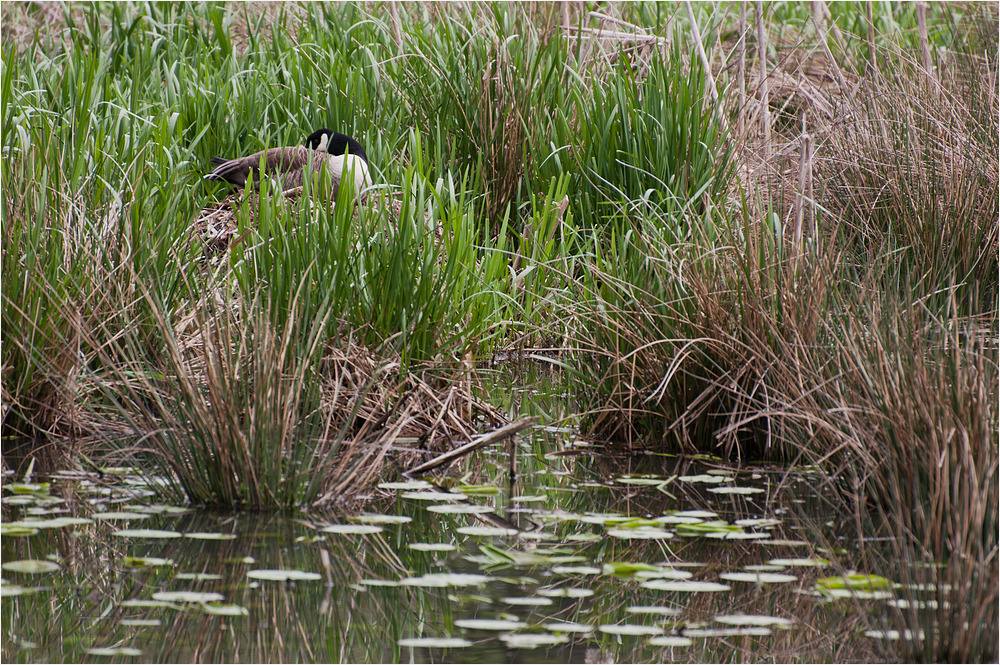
{"x": 582, "y": 557}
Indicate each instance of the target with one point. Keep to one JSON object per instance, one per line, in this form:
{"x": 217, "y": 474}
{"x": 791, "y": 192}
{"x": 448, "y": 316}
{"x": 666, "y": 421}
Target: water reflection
{"x": 599, "y": 560}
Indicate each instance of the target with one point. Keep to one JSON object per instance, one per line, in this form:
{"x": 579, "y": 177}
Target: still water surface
{"x": 578, "y": 557}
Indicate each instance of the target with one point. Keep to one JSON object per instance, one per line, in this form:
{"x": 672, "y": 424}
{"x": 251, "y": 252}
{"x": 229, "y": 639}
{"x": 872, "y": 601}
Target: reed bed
{"x": 761, "y": 231}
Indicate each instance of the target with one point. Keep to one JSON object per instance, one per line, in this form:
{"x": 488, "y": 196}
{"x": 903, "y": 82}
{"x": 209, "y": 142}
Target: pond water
{"x": 579, "y": 556}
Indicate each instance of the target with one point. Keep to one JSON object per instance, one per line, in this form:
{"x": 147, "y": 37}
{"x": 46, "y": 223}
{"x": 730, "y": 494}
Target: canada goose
{"x": 288, "y": 166}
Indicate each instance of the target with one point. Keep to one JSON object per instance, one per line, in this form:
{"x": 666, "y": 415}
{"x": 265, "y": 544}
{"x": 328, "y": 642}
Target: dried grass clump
{"x": 247, "y": 413}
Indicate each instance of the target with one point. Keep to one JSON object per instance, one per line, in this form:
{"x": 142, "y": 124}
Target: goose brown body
{"x": 288, "y": 167}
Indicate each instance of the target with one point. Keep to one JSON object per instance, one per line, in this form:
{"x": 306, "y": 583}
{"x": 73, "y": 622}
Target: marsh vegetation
{"x": 767, "y": 233}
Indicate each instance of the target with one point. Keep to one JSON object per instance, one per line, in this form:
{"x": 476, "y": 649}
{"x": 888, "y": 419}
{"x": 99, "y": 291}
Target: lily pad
{"x": 735, "y": 490}
{"x": 382, "y": 519}
{"x": 444, "y": 580}
{"x": 432, "y": 547}
{"x": 476, "y": 489}
{"x": 758, "y": 577}
{"x": 284, "y": 575}
{"x": 670, "y": 641}
{"x": 486, "y": 531}
{"x": 705, "y": 478}
{"x": 576, "y": 570}
{"x": 407, "y": 485}
{"x": 355, "y": 529}
{"x": 813, "y": 562}
{"x": 568, "y": 627}
{"x": 198, "y": 535}
{"x": 198, "y": 577}
{"x": 140, "y": 623}
{"x": 433, "y": 496}
{"x": 114, "y": 651}
{"x": 121, "y": 515}
{"x": 566, "y": 592}
{"x": 145, "y": 562}
{"x": 759, "y": 631}
{"x": 629, "y": 629}
{"x": 753, "y": 620}
{"x": 220, "y": 610}
{"x": 146, "y": 533}
{"x": 653, "y": 609}
{"x": 188, "y": 596}
{"x": 641, "y": 533}
{"x": 434, "y": 642}
{"x": 489, "y": 624}
{"x": 526, "y": 601}
{"x": 31, "y": 566}
{"x": 529, "y": 498}
{"x": 685, "y": 586}
{"x": 459, "y": 508}
{"x": 531, "y": 640}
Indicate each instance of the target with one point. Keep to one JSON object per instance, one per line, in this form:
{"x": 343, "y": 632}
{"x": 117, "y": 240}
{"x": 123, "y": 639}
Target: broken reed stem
{"x": 741, "y": 71}
{"x": 709, "y": 79}
{"x": 871, "y": 37}
{"x": 805, "y": 183}
{"x": 765, "y": 113}
{"x": 925, "y": 47}
{"x": 486, "y": 439}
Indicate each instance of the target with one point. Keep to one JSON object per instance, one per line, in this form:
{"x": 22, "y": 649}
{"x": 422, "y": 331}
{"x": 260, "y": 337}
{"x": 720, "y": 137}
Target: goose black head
{"x": 335, "y": 143}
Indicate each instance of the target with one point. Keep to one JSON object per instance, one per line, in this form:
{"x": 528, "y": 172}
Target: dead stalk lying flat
{"x": 486, "y": 439}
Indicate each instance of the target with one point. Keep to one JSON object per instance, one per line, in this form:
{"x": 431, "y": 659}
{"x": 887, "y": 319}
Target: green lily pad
{"x": 31, "y": 566}
{"x": 529, "y": 498}
{"x": 283, "y": 575}
{"x": 220, "y": 610}
{"x": 28, "y": 488}
{"x": 476, "y": 489}
{"x": 12, "y": 529}
{"x": 145, "y": 562}
{"x": 141, "y": 623}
